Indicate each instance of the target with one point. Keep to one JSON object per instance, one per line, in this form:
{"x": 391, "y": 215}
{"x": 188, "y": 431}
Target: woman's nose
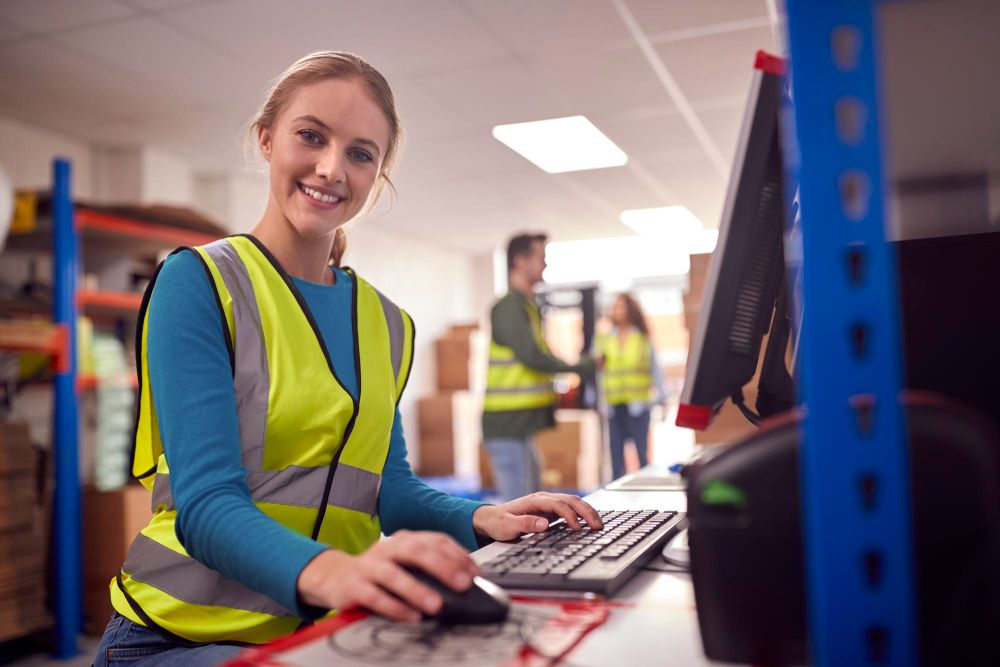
{"x": 331, "y": 166}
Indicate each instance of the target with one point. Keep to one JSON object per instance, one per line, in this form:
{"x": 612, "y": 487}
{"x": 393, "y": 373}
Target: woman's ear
{"x": 264, "y": 141}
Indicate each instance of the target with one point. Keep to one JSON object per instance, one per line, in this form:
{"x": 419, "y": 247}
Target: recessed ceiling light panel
{"x": 559, "y": 145}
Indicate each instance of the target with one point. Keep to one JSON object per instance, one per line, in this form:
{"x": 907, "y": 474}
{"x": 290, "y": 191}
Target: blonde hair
{"x": 336, "y": 65}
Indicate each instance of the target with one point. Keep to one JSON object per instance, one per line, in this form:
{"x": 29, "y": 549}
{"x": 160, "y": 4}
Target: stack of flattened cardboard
{"x": 22, "y": 536}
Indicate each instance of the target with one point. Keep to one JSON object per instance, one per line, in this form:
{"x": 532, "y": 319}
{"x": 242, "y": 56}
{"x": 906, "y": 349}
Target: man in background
{"x": 520, "y": 400}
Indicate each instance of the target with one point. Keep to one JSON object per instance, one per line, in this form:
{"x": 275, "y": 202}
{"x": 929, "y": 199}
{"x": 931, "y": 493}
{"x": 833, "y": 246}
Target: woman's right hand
{"x": 377, "y": 581}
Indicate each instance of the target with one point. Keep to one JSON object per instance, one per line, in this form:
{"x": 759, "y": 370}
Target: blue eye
{"x": 360, "y": 155}
{"x": 310, "y": 136}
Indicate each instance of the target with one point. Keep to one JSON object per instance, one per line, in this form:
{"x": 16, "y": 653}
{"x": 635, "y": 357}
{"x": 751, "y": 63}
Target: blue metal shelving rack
{"x": 855, "y": 480}
{"x": 66, "y": 507}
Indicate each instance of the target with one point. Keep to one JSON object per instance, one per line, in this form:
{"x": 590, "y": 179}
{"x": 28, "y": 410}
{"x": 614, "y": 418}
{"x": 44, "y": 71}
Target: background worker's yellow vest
{"x": 510, "y": 385}
{"x": 627, "y": 375}
{"x": 297, "y": 424}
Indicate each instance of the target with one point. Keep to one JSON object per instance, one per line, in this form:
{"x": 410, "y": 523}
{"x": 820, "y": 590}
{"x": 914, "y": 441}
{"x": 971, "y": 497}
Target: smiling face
{"x": 325, "y": 150}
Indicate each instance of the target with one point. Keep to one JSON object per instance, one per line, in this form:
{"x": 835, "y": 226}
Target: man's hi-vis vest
{"x": 314, "y": 454}
{"x": 627, "y": 374}
{"x": 510, "y": 385}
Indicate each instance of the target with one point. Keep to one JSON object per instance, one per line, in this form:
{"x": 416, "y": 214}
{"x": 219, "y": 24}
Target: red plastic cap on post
{"x": 770, "y": 63}
{"x": 694, "y": 416}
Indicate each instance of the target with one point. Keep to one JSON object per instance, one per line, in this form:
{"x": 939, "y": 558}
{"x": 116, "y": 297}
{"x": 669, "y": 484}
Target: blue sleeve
{"x": 192, "y": 385}
{"x": 406, "y": 502}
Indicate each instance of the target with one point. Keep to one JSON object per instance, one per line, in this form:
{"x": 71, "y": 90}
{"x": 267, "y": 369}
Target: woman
{"x": 630, "y": 376}
{"x": 268, "y": 425}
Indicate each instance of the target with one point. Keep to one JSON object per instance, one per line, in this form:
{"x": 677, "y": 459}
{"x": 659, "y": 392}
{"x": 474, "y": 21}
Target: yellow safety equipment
{"x": 627, "y": 374}
{"x": 314, "y": 454}
{"x": 510, "y": 385}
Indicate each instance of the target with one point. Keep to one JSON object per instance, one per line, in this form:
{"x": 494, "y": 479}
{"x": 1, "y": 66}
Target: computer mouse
{"x": 482, "y": 602}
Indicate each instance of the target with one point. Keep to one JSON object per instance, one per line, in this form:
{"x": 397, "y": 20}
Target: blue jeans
{"x": 515, "y": 466}
{"x": 623, "y": 426}
{"x": 127, "y": 643}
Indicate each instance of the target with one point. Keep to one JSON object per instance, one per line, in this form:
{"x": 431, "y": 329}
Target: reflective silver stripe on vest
{"x": 504, "y": 362}
{"x": 161, "y": 492}
{"x": 251, "y": 378}
{"x": 394, "y": 318}
{"x": 293, "y": 485}
{"x": 352, "y": 488}
{"x": 355, "y": 489}
{"x": 522, "y": 390}
{"x": 188, "y": 580}
{"x": 627, "y": 371}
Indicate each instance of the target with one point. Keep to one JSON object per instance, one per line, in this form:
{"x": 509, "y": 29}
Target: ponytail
{"x": 339, "y": 247}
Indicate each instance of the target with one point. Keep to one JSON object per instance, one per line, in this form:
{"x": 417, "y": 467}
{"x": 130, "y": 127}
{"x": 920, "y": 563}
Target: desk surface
{"x": 662, "y": 628}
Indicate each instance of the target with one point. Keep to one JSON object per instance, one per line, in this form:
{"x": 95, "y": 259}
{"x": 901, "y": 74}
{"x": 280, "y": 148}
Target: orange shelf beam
{"x": 129, "y": 301}
{"x": 124, "y": 226}
{"x": 89, "y": 382}
{"x": 37, "y": 337}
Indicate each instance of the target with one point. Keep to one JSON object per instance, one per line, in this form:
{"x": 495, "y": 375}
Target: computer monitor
{"x": 745, "y": 271}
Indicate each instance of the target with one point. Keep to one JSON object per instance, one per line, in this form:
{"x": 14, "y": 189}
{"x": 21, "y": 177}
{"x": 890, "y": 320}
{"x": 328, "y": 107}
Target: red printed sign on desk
{"x": 536, "y": 634}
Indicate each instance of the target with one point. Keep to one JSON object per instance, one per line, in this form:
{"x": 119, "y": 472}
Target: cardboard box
{"x": 486, "y": 480}
{"x": 111, "y": 519}
{"x": 452, "y": 356}
{"x": 437, "y": 455}
{"x": 17, "y": 455}
{"x": 448, "y": 434}
{"x": 23, "y": 524}
{"x": 23, "y": 589}
{"x": 18, "y": 497}
{"x": 463, "y": 330}
{"x": 435, "y": 417}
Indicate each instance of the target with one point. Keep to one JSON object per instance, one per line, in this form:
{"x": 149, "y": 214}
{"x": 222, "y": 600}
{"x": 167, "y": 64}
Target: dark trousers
{"x": 625, "y": 426}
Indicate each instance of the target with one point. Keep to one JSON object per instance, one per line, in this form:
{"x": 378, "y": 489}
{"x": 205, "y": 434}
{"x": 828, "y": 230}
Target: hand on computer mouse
{"x": 482, "y": 602}
{"x": 377, "y": 580}
{"x": 531, "y": 514}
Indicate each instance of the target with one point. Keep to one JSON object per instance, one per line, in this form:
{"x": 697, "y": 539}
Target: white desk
{"x": 662, "y": 629}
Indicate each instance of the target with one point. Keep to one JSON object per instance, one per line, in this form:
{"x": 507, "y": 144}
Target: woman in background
{"x": 632, "y": 380}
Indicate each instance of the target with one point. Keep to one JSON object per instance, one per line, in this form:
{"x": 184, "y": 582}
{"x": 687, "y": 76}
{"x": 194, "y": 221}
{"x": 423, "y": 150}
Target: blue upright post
{"x": 66, "y": 512}
{"x": 854, "y": 464}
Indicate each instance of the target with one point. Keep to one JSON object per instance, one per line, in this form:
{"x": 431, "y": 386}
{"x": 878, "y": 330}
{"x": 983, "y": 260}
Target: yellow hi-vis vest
{"x": 627, "y": 374}
{"x": 314, "y": 454}
{"x": 510, "y": 385}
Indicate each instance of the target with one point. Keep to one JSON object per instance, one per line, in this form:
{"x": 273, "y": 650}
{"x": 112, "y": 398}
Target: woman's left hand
{"x": 531, "y": 514}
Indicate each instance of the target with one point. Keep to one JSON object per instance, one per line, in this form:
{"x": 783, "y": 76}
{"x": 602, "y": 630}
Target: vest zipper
{"x": 354, "y": 415}
{"x": 356, "y": 402}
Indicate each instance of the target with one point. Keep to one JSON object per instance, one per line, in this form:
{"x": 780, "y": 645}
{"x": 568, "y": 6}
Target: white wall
{"x": 166, "y": 179}
{"x": 141, "y": 175}
{"x": 118, "y": 175}
{"x": 26, "y": 153}
{"x": 234, "y": 200}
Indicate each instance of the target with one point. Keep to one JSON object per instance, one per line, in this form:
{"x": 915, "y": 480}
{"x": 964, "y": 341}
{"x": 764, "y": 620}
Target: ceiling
{"x": 185, "y": 77}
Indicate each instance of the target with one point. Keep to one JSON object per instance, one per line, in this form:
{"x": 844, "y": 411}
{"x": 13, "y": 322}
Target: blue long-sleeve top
{"x": 191, "y": 382}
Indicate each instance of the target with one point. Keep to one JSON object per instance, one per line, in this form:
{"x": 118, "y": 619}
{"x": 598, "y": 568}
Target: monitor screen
{"x": 745, "y": 270}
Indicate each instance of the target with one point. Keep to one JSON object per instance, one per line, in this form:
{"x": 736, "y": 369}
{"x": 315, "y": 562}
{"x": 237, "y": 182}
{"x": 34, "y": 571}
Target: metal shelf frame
{"x": 67, "y": 555}
{"x": 71, "y": 226}
{"x": 854, "y": 462}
